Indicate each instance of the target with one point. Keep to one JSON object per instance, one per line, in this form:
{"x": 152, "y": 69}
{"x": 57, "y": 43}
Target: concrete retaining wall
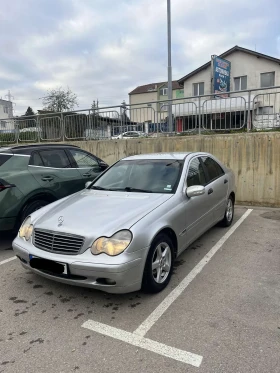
{"x": 254, "y": 157}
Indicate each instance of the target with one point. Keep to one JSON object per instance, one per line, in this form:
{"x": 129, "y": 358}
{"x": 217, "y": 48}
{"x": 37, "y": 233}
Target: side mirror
{"x": 88, "y": 184}
{"x": 103, "y": 166}
{"x": 195, "y": 190}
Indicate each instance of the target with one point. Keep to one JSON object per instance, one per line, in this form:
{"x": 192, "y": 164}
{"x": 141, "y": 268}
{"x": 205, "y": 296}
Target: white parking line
{"x": 145, "y": 343}
{"x": 8, "y": 260}
{"x": 137, "y": 337}
{"x": 166, "y": 303}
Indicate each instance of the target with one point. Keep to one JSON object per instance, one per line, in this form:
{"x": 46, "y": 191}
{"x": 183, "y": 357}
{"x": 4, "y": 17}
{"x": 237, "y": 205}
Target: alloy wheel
{"x": 161, "y": 263}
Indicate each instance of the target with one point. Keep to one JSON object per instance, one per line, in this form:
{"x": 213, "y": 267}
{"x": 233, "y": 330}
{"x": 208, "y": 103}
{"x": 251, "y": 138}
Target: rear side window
{"x": 214, "y": 170}
{"x": 55, "y": 158}
{"x": 4, "y": 158}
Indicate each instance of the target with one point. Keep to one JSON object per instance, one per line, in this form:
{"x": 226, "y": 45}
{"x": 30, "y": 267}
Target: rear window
{"x": 4, "y": 158}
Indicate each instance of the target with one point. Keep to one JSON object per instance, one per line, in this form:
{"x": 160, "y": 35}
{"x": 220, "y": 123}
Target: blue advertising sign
{"x": 221, "y": 76}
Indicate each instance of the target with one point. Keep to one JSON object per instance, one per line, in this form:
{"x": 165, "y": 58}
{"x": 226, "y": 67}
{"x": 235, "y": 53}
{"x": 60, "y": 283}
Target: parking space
{"x": 227, "y": 315}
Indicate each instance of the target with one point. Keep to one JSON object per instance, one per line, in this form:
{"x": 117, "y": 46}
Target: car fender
{"x": 42, "y": 193}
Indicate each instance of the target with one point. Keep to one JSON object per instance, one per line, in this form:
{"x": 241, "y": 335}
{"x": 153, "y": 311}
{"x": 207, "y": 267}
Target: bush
{"x": 7, "y": 138}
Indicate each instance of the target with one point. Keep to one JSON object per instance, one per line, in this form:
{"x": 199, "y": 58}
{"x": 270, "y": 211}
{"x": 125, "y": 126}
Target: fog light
{"x": 105, "y": 281}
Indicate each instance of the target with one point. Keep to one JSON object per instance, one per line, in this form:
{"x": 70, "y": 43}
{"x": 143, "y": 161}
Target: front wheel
{"x": 159, "y": 265}
{"x": 229, "y": 213}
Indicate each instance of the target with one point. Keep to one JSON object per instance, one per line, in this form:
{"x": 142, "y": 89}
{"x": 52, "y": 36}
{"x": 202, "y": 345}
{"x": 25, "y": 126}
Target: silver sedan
{"x": 124, "y": 231}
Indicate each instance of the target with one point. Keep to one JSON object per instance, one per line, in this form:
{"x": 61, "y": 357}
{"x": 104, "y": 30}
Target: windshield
{"x": 142, "y": 175}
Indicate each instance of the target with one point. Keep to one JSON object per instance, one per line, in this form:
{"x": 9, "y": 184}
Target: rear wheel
{"x": 32, "y": 207}
{"x": 159, "y": 265}
{"x": 229, "y": 213}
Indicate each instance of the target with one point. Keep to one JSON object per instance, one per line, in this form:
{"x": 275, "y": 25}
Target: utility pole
{"x": 170, "y": 119}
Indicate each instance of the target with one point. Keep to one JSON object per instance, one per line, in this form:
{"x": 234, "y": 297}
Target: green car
{"x": 33, "y": 176}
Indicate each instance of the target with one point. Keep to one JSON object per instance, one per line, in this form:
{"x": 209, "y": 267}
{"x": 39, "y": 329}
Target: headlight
{"x": 112, "y": 245}
{"x": 26, "y": 229}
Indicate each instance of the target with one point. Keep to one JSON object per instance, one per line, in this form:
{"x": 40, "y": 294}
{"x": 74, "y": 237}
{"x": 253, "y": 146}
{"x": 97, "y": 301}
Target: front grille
{"x": 60, "y": 243}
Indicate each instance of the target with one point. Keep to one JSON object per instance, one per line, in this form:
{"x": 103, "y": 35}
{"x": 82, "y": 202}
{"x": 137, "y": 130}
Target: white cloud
{"x": 103, "y": 49}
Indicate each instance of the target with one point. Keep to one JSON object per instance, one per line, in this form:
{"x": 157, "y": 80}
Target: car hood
{"x": 97, "y": 213}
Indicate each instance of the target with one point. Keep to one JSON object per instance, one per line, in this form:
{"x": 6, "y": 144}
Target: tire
{"x": 156, "y": 280}
{"x": 229, "y": 213}
{"x": 32, "y": 207}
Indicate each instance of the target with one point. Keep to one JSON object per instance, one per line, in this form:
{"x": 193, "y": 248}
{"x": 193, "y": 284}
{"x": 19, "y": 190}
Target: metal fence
{"x": 245, "y": 110}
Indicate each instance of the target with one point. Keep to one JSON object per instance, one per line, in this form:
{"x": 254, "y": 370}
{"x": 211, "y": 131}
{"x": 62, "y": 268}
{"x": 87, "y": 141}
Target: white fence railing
{"x": 245, "y": 110}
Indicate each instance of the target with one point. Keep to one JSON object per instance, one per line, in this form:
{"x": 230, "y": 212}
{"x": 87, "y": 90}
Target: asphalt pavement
{"x": 221, "y": 308}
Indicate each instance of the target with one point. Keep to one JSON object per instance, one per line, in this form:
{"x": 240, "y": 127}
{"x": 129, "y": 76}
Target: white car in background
{"x": 30, "y": 129}
{"x": 130, "y": 135}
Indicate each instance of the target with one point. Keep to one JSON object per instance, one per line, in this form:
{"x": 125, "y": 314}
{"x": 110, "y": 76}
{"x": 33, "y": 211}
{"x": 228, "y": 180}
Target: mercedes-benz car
{"x": 124, "y": 231}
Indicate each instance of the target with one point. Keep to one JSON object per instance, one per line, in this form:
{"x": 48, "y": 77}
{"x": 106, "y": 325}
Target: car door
{"x": 86, "y": 164}
{"x": 199, "y": 216}
{"x": 53, "y": 171}
{"x": 218, "y": 184}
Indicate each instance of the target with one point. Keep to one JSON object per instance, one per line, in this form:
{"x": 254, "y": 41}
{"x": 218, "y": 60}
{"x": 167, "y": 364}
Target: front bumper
{"x": 126, "y": 273}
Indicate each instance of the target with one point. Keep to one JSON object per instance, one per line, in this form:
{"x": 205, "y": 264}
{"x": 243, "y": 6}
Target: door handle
{"x": 225, "y": 181}
{"x": 87, "y": 174}
{"x": 47, "y": 178}
{"x": 210, "y": 191}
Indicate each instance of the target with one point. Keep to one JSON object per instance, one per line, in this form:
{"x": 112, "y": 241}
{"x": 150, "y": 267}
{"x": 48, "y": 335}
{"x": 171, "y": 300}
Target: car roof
{"x": 27, "y": 149}
{"x": 175, "y": 155}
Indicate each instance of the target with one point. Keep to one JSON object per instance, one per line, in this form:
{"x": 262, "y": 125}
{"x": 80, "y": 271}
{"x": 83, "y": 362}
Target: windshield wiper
{"x": 130, "y": 189}
{"x": 96, "y": 187}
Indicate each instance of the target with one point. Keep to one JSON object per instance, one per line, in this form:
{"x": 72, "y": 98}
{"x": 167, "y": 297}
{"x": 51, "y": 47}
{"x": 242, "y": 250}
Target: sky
{"x": 103, "y": 49}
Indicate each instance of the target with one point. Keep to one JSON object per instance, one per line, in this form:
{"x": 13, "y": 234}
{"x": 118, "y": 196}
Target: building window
{"x": 198, "y": 89}
{"x": 240, "y": 83}
{"x": 3, "y": 124}
{"x": 265, "y": 110}
{"x": 268, "y": 79}
{"x": 6, "y": 110}
{"x": 163, "y": 91}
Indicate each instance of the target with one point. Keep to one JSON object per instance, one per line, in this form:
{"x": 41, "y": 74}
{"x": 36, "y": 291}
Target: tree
{"x": 59, "y": 100}
{"x": 29, "y": 111}
{"x": 94, "y": 106}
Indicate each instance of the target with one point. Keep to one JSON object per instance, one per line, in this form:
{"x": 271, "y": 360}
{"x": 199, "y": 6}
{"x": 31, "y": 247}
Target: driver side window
{"x": 196, "y": 175}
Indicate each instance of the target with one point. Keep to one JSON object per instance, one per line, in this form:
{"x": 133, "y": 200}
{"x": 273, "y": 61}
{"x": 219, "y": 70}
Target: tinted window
{"x": 55, "y": 158}
{"x": 134, "y": 134}
{"x": 196, "y": 175}
{"x": 213, "y": 168}
{"x": 4, "y": 158}
{"x": 83, "y": 160}
{"x": 156, "y": 176}
{"x": 36, "y": 160}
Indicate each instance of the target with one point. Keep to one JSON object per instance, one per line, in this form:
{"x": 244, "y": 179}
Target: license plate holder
{"x": 47, "y": 265}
